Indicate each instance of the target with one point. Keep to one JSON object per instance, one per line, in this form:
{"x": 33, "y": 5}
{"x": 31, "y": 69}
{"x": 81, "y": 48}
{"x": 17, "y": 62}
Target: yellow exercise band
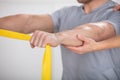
{"x": 47, "y": 59}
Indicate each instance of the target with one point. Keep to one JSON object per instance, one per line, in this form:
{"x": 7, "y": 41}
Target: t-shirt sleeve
{"x": 114, "y": 19}
{"x": 57, "y": 17}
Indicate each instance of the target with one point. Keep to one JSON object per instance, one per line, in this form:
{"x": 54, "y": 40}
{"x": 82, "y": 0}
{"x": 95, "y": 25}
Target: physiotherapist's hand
{"x": 89, "y": 45}
{"x": 117, "y": 8}
{"x": 41, "y": 39}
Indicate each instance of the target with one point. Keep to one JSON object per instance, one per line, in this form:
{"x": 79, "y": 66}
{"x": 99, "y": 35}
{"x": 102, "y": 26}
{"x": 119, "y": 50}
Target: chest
{"x": 72, "y": 20}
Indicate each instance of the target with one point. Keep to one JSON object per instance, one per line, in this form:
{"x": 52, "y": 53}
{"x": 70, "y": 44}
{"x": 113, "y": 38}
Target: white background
{"x": 17, "y": 60}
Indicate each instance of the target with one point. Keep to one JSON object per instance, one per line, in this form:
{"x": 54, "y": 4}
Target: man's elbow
{"x": 105, "y": 30}
{"x": 98, "y": 31}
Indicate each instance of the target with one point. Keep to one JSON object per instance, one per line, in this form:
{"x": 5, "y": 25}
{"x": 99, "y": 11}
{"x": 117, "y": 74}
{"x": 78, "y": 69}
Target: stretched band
{"x": 47, "y": 58}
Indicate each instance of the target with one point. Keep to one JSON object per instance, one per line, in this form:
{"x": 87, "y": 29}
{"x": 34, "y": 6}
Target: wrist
{"x": 60, "y": 36}
{"x": 69, "y": 38}
{"x": 99, "y": 46}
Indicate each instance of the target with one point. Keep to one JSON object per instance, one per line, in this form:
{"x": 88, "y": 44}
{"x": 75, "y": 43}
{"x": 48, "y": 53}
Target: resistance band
{"x": 47, "y": 58}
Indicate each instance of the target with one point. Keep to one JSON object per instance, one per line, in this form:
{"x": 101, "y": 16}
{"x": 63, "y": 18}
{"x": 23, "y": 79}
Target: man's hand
{"x": 89, "y": 45}
{"x": 41, "y": 39}
{"x": 117, "y": 8}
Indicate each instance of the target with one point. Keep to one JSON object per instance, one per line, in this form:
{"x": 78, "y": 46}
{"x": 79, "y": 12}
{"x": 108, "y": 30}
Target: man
{"x": 91, "y": 45}
{"x": 95, "y": 19}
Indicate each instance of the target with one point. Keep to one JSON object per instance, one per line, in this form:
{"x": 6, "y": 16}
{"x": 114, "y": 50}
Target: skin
{"x": 84, "y": 1}
{"x": 91, "y": 30}
{"x": 26, "y": 23}
{"x": 117, "y": 7}
{"x": 91, "y": 45}
{"x": 43, "y": 32}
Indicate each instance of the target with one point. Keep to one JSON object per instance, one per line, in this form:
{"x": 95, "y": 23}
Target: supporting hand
{"x": 117, "y": 8}
{"x": 89, "y": 45}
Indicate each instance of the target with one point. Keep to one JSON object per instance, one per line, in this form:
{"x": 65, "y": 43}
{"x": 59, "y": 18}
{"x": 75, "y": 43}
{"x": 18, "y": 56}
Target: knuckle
{"x": 39, "y": 46}
{"x": 36, "y": 31}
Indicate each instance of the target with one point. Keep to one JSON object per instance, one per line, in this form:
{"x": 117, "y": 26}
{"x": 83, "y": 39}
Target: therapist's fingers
{"x": 117, "y": 8}
{"x": 82, "y": 38}
{"x": 78, "y": 50}
{"x": 85, "y": 39}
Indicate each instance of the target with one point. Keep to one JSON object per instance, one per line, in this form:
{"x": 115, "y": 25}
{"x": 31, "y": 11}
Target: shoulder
{"x": 108, "y": 10}
{"x": 70, "y": 8}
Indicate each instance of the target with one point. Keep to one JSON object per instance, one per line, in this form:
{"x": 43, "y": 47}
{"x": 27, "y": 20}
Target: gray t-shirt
{"x": 100, "y": 65}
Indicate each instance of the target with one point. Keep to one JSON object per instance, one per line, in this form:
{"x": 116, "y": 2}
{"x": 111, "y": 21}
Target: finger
{"x": 32, "y": 46}
{"x": 36, "y": 38}
{"x": 82, "y": 38}
{"x": 117, "y": 7}
{"x": 42, "y": 39}
{"x": 85, "y": 39}
{"x": 75, "y": 50}
{"x": 32, "y": 40}
{"x": 47, "y": 41}
{"x": 44, "y": 43}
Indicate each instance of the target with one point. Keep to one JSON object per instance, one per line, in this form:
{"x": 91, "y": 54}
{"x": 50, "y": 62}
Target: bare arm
{"x": 97, "y": 31}
{"x": 109, "y": 43}
{"x": 27, "y": 23}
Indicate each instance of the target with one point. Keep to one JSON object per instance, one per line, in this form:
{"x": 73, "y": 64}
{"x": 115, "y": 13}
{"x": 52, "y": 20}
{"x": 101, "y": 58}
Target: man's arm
{"x": 27, "y": 23}
{"x": 97, "y": 31}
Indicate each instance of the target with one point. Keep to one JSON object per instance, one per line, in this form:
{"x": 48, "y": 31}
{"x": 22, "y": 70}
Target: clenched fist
{"x": 41, "y": 39}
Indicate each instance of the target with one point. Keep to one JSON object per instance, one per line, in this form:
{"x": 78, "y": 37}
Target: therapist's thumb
{"x": 85, "y": 39}
{"x": 82, "y": 38}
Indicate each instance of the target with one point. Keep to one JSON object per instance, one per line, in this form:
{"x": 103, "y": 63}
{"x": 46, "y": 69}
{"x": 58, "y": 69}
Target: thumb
{"x": 82, "y": 38}
{"x": 85, "y": 39}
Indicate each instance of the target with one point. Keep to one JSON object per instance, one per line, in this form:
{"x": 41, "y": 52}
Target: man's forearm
{"x": 15, "y": 22}
{"x": 27, "y": 23}
{"x": 96, "y": 31}
{"x": 69, "y": 38}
